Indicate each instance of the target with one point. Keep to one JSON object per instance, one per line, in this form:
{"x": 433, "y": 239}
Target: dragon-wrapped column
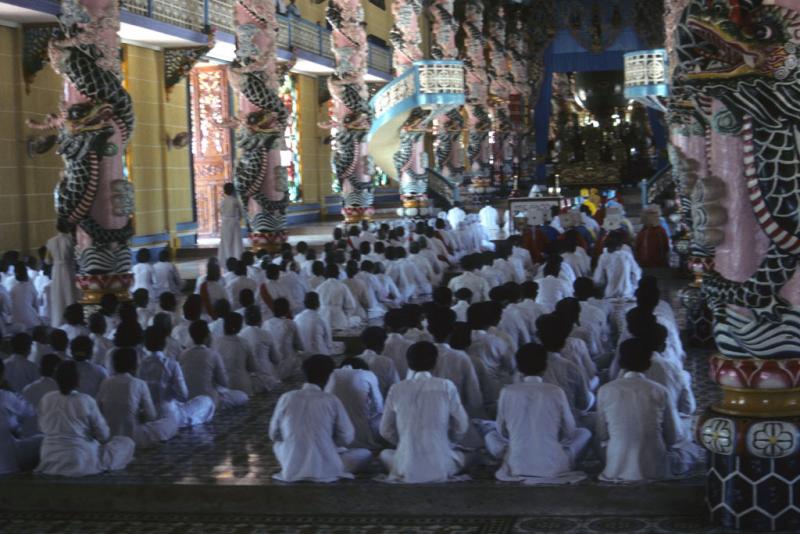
{"x": 352, "y": 167}
{"x": 500, "y": 88}
{"x": 259, "y": 176}
{"x": 448, "y": 148}
{"x": 410, "y": 160}
{"x": 95, "y": 126}
{"x": 478, "y": 120}
{"x": 747, "y": 87}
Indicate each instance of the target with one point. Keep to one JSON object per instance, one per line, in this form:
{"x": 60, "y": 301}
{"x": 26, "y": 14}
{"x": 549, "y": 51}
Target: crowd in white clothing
{"x": 482, "y": 356}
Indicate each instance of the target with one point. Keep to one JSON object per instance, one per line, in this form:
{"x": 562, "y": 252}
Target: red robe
{"x": 652, "y": 247}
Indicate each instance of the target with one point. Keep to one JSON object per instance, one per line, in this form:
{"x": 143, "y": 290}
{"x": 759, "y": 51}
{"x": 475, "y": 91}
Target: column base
{"x": 94, "y": 286}
{"x": 269, "y": 241}
{"x": 354, "y": 215}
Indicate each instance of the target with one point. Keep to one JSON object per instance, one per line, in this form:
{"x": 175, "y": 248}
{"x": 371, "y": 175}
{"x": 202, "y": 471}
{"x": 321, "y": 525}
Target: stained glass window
{"x": 290, "y": 155}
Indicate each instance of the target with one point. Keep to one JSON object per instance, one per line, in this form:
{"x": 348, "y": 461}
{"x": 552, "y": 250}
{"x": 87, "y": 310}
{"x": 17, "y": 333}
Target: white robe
{"x": 166, "y": 279}
{"x": 25, "y": 306}
{"x": 62, "y": 290}
{"x": 123, "y": 400}
{"x": 566, "y": 375}
{"x": 636, "y": 422}
{"x": 238, "y": 361}
{"x": 315, "y": 334}
{"x": 395, "y": 349}
{"x": 205, "y": 375}
{"x": 20, "y": 372}
{"x": 265, "y": 358}
{"x": 455, "y": 365}
{"x": 168, "y": 390}
{"x": 337, "y": 305}
{"x": 362, "y": 399}
{"x": 383, "y": 367}
{"x": 235, "y": 287}
{"x": 76, "y": 441}
{"x": 90, "y": 376}
{"x": 535, "y": 420}
{"x": 619, "y": 273}
{"x": 477, "y": 284}
{"x": 144, "y": 278}
{"x": 17, "y": 454}
{"x": 230, "y": 238}
{"x": 309, "y": 428}
{"x": 455, "y": 216}
{"x": 287, "y": 342}
{"x": 489, "y": 219}
{"x": 420, "y": 415}
{"x": 552, "y": 290}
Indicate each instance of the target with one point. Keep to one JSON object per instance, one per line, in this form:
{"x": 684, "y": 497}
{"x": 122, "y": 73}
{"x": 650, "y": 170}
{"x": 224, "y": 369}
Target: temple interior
{"x": 490, "y": 266}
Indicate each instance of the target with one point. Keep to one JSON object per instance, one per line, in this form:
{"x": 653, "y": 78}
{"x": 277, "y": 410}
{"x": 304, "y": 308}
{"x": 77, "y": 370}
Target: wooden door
{"x": 211, "y": 144}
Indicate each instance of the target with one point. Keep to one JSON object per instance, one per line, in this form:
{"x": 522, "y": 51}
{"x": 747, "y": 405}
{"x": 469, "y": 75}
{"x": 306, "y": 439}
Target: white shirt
{"x": 477, "y": 284}
{"x": 395, "y": 349}
{"x": 337, "y": 305}
{"x": 314, "y": 332}
{"x": 285, "y": 336}
{"x": 238, "y": 361}
{"x": 308, "y": 426}
{"x": 618, "y": 272}
{"x": 419, "y": 415}
{"x": 203, "y": 371}
{"x": 362, "y": 399}
{"x": 535, "y": 417}
{"x": 164, "y": 377}
{"x": 143, "y": 278}
{"x": 20, "y": 372}
{"x": 455, "y": 365}
{"x": 552, "y": 290}
{"x": 123, "y": 400}
{"x": 236, "y": 285}
{"x": 383, "y": 368}
{"x": 25, "y": 305}
{"x": 166, "y": 279}
{"x": 566, "y": 375}
{"x": 90, "y": 376}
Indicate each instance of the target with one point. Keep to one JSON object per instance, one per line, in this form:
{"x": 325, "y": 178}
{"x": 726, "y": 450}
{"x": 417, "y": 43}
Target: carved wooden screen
{"x": 211, "y": 144}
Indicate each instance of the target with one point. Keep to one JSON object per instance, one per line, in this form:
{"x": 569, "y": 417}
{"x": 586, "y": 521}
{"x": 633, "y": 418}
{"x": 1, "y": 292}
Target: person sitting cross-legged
{"x": 420, "y": 416}
{"x": 637, "y": 426}
{"x": 357, "y": 387}
{"x": 91, "y": 374}
{"x": 374, "y": 340}
{"x": 17, "y": 453}
{"x": 310, "y": 429}
{"x": 536, "y": 436}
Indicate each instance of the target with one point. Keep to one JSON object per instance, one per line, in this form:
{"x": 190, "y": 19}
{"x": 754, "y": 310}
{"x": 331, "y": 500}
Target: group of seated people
{"x": 471, "y": 353}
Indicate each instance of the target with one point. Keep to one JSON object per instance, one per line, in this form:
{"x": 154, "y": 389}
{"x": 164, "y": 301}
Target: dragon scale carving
{"x": 479, "y": 121}
{"x": 259, "y": 177}
{"x": 351, "y": 113}
{"x": 744, "y": 54}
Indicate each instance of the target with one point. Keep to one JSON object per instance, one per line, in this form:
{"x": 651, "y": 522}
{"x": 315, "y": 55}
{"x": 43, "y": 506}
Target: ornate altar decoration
{"x": 448, "y": 149}
{"x": 590, "y": 157}
{"x": 518, "y": 51}
{"x": 742, "y": 56}
{"x": 351, "y": 117}
{"x": 594, "y": 25}
{"x": 94, "y": 125}
{"x": 404, "y": 109}
{"x": 259, "y": 176}
{"x": 178, "y": 62}
{"x": 479, "y": 121}
{"x": 500, "y": 88}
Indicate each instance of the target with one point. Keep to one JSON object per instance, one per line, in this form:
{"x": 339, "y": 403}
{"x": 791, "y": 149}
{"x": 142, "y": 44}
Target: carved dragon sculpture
{"x": 259, "y": 177}
{"x": 744, "y": 54}
{"x": 95, "y": 125}
{"x": 351, "y": 112}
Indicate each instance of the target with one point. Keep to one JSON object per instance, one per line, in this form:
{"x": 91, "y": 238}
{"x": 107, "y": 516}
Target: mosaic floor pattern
{"x": 160, "y": 524}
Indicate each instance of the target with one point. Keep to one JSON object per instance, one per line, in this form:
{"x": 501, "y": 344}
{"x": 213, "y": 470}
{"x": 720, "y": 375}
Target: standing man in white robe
{"x": 231, "y": 211}
{"x": 60, "y": 252}
{"x": 309, "y": 429}
{"x": 420, "y": 416}
{"x": 637, "y": 425}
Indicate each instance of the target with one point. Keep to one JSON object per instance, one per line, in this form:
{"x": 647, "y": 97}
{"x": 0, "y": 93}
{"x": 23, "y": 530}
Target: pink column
{"x": 477, "y": 87}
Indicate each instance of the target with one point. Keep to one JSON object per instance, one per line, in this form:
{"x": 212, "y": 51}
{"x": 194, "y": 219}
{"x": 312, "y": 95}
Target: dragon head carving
{"x": 743, "y": 52}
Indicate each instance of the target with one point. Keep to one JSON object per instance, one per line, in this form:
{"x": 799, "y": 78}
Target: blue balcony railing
{"x": 294, "y": 32}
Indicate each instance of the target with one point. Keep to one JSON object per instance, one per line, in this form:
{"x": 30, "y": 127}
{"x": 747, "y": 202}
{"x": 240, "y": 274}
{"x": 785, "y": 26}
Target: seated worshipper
{"x": 286, "y": 337}
{"x": 420, "y": 416}
{"x": 455, "y": 365}
{"x": 144, "y": 312}
{"x": 265, "y": 358}
{"x": 165, "y": 276}
{"x": 616, "y": 270}
{"x": 490, "y": 219}
{"x": 415, "y": 315}
{"x": 426, "y": 277}
{"x": 239, "y": 282}
{"x": 168, "y": 390}
{"x": 493, "y": 351}
{"x": 221, "y": 309}
{"x": 246, "y": 299}
{"x": 24, "y": 301}
{"x": 202, "y": 278}
{"x": 390, "y": 293}
{"x": 512, "y": 324}
{"x": 417, "y": 279}
{"x": 337, "y": 305}
{"x": 395, "y": 323}
{"x": 382, "y": 295}
{"x": 273, "y": 288}
{"x": 40, "y": 335}
{"x": 398, "y": 275}
{"x": 581, "y": 346}
{"x": 212, "y": 290}
{"x": 366, "y": 302}
{"x": 76, "y": 435}
{"x": 59, "y": 342}
{"x": 574, "y": 255}
{"x": 639, "y": 322}
{"x": 315, "y": 334}
{"x": 143, "y": 273}
{"x": 204, "y": 371}
{"x": 463, "y": 299}
{"x": 19, "y": 371}
{"x": 522, "y": 309}
{"x": 101, "y": 345}
{"x": 109, "y": 305}
{"x": 74, "y": 322}
{"x": 297, "y": 284}
{"x": 310, "y": 429}
{"x": 552, "y": 288}
{"x": 34, "y": 391}
{"x": 230, "y": 270}
{"x": 471, "y": 280}
{"x": 561, "y": 371}
{"x": 669, "y": 374}
{"x": 90, "y": 375}
{"x": 357, "y": 387}
{"x": 192, "y": 311}
{"x": 535, "y": 434}
{"x": 317, "y": 275}
{"x": 637, "y": 425}
{"x": 16, "y": 453}
{"x": 167, "y": 304}
{"x": 172, "y": 349}
{"x": 374, "y": 340}
{"x": 652, "y": 242}
{"x": 592, "y": 316}
{"x": 236, "y": 354}
{"x": 127, "y": 406}
{"x": 455, "y": 216}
